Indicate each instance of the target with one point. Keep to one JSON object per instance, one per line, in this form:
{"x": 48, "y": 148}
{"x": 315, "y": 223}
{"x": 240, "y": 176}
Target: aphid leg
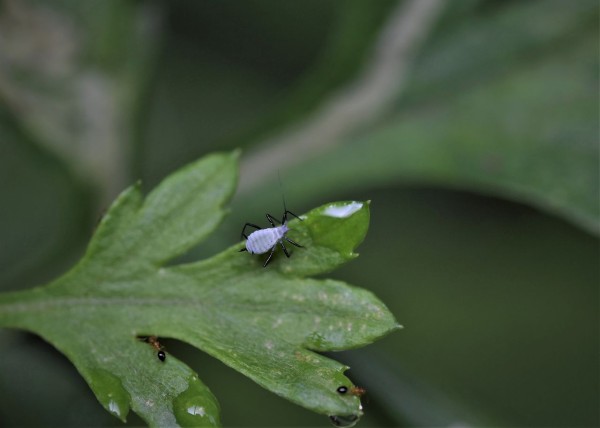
{"x": 292, "y": 242}
{"x": 270, "y": 255}
{"x": 244, "y": 229}
{"x": 272, "y": 220}
{"x": 284, "y": 249}
{"x": 286, "y": 212}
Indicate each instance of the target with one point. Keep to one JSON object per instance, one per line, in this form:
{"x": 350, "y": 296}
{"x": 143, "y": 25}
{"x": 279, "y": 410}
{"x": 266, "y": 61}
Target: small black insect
{"x": 153, "y": 341}
{"x": 357, "y": 391}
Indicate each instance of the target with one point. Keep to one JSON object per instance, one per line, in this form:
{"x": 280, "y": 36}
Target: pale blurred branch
{"x": 76, "y": 107}
{"x": 356, "y": 105}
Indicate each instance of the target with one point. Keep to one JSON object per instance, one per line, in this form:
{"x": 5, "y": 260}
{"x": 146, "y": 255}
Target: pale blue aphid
{"x": 262, "y": 240}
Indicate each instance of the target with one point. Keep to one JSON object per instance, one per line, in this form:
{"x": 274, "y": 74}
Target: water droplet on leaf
{"x": 196, "y": 406}
{"x": 342, "y": 210}
{"x": 344, "y": 421}
{"x": 196, "y": 410}
{"x": 110, "y": 392}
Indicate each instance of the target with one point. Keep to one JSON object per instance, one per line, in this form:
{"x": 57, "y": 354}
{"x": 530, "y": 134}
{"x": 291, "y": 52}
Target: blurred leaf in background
{"x": 472, "y": 125}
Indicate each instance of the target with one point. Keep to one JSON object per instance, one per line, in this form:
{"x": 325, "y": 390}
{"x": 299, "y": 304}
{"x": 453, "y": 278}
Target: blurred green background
{"x": 472, "y": 126}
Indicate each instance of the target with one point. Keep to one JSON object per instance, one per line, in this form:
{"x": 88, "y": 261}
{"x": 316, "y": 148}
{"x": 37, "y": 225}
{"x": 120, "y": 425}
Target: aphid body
{"x": 264, "y": 240}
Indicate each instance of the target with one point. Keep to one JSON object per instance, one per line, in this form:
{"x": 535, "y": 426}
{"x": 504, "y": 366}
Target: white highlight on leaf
{"x": 113, "y": 407}
{"x": 342, "y": 211}
{"x": 196, "y": 411}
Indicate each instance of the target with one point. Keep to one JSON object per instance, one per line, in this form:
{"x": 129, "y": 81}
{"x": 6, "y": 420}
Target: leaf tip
{"x": 110, "y": 392}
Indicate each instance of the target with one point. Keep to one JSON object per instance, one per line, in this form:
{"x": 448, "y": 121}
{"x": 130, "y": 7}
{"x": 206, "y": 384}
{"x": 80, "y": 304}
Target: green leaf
{"x": 263, "y": 322}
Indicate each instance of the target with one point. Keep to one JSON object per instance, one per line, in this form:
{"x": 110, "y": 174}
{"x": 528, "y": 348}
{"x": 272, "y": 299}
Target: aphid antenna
{"x": 282, "y": 192}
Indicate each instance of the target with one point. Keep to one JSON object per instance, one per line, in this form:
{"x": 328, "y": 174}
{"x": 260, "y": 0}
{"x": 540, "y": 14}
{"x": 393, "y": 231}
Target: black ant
{"x": 153, "y": 341}
{"x": 357, "y": 391}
